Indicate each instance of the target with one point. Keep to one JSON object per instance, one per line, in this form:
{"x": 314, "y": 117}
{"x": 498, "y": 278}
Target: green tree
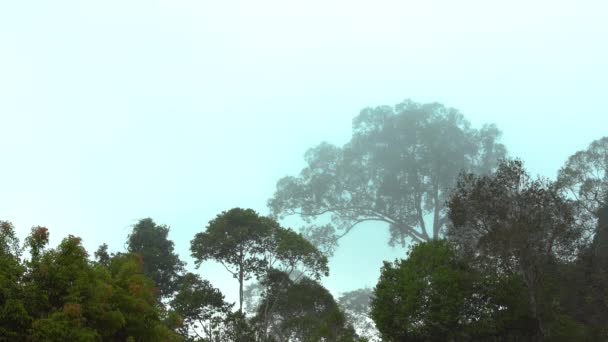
{"x": 161, "y": 263}
{"x": 398, "y": 168}
{"x": 248, "y": 245}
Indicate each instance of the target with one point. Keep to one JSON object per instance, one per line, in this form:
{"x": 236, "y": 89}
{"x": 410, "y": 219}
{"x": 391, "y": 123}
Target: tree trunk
{"x": 436, "y": 211}
{"x": 241, "y": 282}
{"x": 529, "y": 278}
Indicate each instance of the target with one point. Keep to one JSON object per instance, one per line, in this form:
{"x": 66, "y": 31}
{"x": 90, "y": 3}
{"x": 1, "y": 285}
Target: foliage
{"x": 398, "y": 168}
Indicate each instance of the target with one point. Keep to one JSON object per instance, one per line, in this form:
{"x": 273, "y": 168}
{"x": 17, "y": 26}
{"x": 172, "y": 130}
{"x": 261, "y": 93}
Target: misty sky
{"x": 111, "y": 111}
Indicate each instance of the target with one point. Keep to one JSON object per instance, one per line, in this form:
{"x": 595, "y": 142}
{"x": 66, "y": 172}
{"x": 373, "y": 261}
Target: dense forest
{"x": 495, "y": 254}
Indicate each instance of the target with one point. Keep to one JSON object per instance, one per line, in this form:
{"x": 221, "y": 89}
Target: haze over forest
{"x": 114, "y": 111}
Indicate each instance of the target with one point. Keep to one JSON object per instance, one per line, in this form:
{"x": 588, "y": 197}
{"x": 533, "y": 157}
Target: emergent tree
{"x": 398, "y": 168}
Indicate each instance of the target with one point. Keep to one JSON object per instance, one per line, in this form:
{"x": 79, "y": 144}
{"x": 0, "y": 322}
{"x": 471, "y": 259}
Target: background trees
{"x": 398, "y": 168}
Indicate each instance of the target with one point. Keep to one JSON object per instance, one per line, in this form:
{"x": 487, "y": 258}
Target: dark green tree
{"x": 102, "y": 256}
{"x": 424, "y": 298}
{"x": 518, "y": 226}
{"x": 585, "y": 283}
{"x": 161, "y": 263}
{"x": 398, "y": 168}
{"x": 202, "y": 309}
{"x": 300, "y": 310}
{"x": 438, "y": 295}
{"x": 14, "y": 318}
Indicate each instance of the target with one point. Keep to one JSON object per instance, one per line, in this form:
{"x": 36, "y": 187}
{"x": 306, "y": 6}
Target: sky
{"x": 112, "y": 111}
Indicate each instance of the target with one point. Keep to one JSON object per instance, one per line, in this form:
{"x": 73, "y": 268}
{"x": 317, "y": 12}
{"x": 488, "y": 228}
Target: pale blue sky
{"x": 111, "y": 111}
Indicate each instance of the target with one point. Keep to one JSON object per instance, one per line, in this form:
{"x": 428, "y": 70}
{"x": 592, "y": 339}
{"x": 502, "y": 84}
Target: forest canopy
{"x": 494, "y": 253}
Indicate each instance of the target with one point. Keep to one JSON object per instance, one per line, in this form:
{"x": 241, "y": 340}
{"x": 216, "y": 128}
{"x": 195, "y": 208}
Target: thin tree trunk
{"x": 241, "y": 282}
{"x": 436, "y": 211}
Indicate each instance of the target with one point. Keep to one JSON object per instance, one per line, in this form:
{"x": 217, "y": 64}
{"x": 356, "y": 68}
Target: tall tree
{"x": 398, "y": 168}
{"x": 248, "y": 245}
{"x": 235, "y": 239}
{"x": 161, "y": 263}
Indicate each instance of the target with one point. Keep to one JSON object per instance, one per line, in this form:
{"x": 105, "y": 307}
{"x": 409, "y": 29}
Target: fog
{"x": 178, "y": 110}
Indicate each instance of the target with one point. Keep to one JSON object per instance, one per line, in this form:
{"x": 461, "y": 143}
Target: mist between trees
{"x": 494, "y": 253}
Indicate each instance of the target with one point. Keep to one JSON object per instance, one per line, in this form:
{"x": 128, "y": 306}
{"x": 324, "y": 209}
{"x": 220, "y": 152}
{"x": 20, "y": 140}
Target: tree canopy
{"x": 398, "y": 168}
